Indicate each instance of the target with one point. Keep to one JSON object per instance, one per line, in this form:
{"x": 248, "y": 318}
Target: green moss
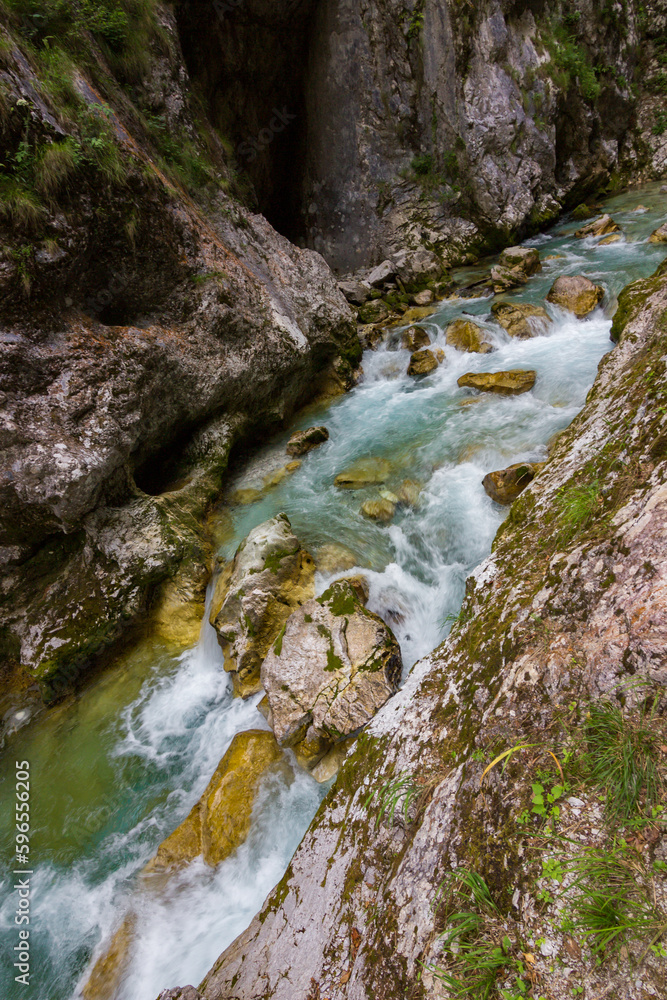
{"x": 333, "y": 662}
{"x": 278, "y": 644}
{"x": 274, "y": 559}
{"x": 340, "y": 599}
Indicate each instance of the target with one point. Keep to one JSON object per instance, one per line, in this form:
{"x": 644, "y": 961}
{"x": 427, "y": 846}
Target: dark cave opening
{"x": 248, "y": 62}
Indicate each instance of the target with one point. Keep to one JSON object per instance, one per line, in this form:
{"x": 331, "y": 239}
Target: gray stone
{"x": 384, "y": 272}
{"x": 334, "y": 666}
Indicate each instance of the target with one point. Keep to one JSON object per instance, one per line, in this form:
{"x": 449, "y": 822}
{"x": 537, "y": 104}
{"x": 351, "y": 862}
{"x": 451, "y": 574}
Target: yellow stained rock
{"x": 465, "y": 335}
{"x": 220, "y": 821}
{"x": 510, "y": 383}
{"x": 109, "y": 969}
{"x": 364, "y": 472}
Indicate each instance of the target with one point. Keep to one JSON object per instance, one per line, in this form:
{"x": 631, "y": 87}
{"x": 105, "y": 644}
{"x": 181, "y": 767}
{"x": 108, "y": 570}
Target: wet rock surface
{"x": 220, "y": 821}
{"x": 598, "y": 227}
{"x": 364, "y": 472}
{"x": 511, "y": 383}
{"x": 303, "y": 441}
{"x": 520, "y": 319}
{"x": 505, "y": 485}
{"x": 422, "y": 362}
{"x": 465, "y": 335}
{"x": 576, "y": 293}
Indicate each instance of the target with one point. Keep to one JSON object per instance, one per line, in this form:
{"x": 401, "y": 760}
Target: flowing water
{"x": 114, "y": 770}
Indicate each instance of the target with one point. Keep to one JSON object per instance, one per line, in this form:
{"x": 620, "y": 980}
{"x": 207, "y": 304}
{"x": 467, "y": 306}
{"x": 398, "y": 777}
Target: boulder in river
{"x": 515, "y": 317}
{"x": 333, "y": 558}
{"x": 575, "y": 293}
{"x": 364, "y": 472}
{"x": 598, "y": 227}
{"x": 465, "y": 335}
{"x": 302, "y": 441}
{"x": 422, "y": 362}
{"x": 614, "y": 238}
{"x": 408, "y": 493}
{"x": 333, "y": 667}
{"x": 505, "y": 278}
{"x": 505, "y": 485}
{"x": 659, "y": 235}
{"x": 268, "y": 578}
{"x": 414, "y": 338}
{"x": 526, "y": 259}
{"x": 378, "y": 510}
{"x": 220, "y": 821}
{"x": 510, "y": 383}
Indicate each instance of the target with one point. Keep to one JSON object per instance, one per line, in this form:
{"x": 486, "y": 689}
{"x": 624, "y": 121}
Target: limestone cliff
{"x": 562, "y": 636}
{"x": 149, "y": 322}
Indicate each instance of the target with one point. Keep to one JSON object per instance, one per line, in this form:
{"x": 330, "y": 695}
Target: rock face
{"x": 507, "y": 484}
{"x": 446, "y": 92}
{"x": 515, "y": 318}
{"x": 220, "y": 821}
{"x": 414, "y": 338}
{"x": 526, "y": 259}
{"x": 303, "y": 441}
{"x": 334, "y": 666}
{"x": 598, "y": 227}
{"x": 560, "y": 613}
{"x": 364, "y": 472}
{"x": 576, "y": 293}
{"x": 269, "y": 577}
{"x": 511, "y": 383}
{"x": 465, "y": 335}
{"x": 422, "y": 362}
{"x": 165, "y": 320}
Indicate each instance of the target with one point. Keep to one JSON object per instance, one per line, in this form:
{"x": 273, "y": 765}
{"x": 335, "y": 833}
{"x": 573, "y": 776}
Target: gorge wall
{"x": 151, "y": 318}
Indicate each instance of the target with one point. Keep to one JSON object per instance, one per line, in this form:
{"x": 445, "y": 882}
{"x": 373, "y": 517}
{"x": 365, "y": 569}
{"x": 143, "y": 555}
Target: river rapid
{"x": 115, "y": 769}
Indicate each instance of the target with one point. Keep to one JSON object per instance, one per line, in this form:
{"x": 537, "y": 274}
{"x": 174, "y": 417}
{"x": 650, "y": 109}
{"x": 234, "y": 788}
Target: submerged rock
{"x": 408, "y": 493}
{"x": 505, "y": 485}
{"x": 107, "y": 973}
{"x": 422, "y": 362}
{"x": 378, "y": 510}
{"x": 302, "y": 441}
{"x": 332, "y": 557}
{"x": 414, "y": 338}
{"x": 598, "y": 227}
{"x": 515, "y": 318}
{"x": 364, "y": 472}
{"x": 465, "y": 335}
{"x": 614, "y": 238}
{"x": 511, "y": 383}
{"x": 659, "y": 235}
{"x": 333, "y": 667}
{"x": 526, "y": 259}
{"x": 575, "y": 293}
{"x": 268, "y": 578}
{"x": 220, "y": 820}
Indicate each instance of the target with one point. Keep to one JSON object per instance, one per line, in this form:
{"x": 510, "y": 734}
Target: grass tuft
{"x": 621, "y": 759}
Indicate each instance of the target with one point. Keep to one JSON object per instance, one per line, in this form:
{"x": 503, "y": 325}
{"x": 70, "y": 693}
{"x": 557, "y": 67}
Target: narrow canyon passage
{"x": 121, "y": 766}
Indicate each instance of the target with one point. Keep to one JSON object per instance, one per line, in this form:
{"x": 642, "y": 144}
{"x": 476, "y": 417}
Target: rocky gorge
{"x": 262, "y": 429}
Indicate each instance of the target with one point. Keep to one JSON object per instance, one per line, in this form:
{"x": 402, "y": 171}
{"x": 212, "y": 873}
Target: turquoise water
{"x": 117, "y": 768}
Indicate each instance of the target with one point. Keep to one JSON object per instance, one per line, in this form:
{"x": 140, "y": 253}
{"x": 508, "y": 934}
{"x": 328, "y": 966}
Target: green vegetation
{"x": 578, "y": 504}
{"x": 620, "y": 757}
{"x": 570, "y": 62}
{"x": 395, "y": 792}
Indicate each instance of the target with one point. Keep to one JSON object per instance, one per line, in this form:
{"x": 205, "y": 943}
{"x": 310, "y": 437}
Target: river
{"x": 116, "y": 768}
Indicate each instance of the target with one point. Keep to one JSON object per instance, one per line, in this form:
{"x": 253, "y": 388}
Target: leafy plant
{"x": 395, "y": 793}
